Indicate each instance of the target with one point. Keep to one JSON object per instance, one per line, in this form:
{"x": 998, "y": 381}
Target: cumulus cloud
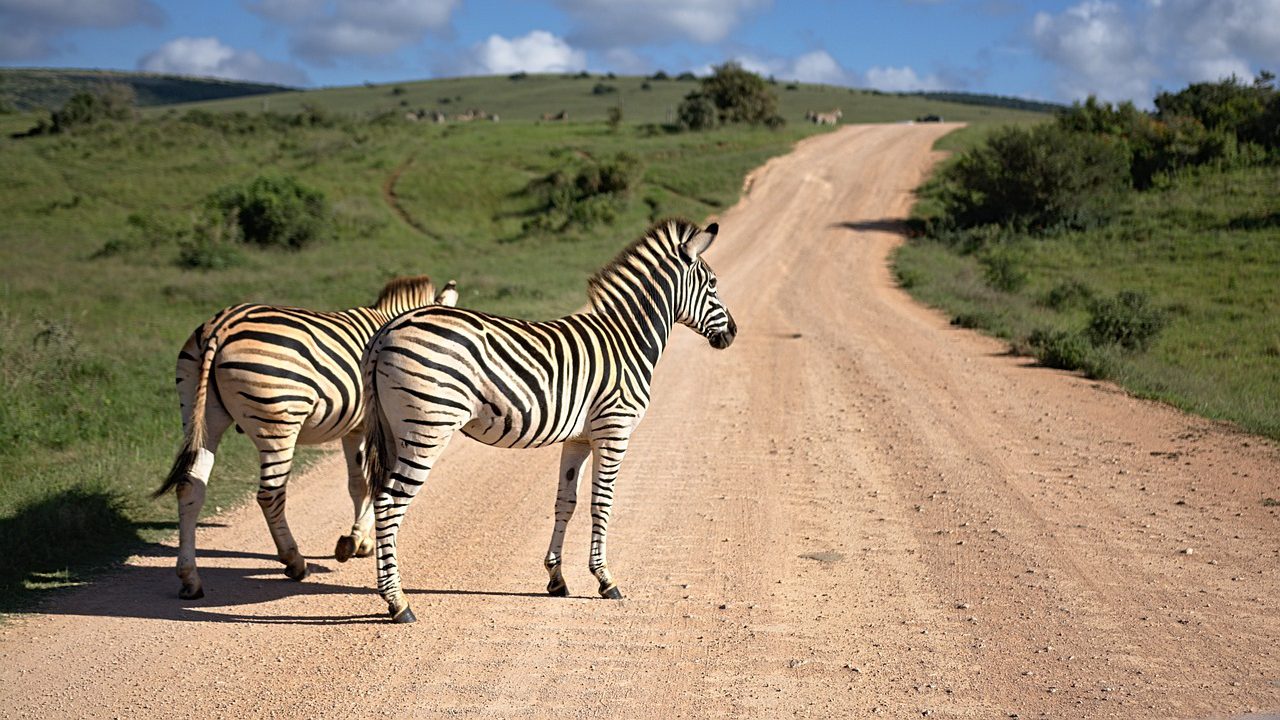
{"x": 608, "y": 23}
{"x": 1100, "y": 49}
{"x": 323, "y": 32}
{"x": 29, "y": 29}
{"x": 209, "y": 57}
{"x": 1096, "y": 50}
{"x": 901, "y": 79}
{"x": 539, "y": 51}
{"x": 814, "y": 67}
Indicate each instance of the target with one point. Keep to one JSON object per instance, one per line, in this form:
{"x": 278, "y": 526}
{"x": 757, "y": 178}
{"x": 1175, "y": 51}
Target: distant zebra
{"x": 826, "y": 118}
{"x": 284, "y": 376}
{"x": 555, "y": 117}
{"x": 582, "y": 380}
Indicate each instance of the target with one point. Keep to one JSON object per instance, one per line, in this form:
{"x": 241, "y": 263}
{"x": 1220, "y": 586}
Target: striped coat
{"x": 582, "y": 380}
{"x": 285, "y": 377}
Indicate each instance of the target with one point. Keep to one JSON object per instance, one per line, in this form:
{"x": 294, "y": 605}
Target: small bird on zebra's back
{"x": 285, "y": 377}
{"x": 582, "y": 380}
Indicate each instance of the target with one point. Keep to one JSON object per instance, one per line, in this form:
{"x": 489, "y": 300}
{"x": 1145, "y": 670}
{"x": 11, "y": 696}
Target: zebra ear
{"x": 698, "y": 244}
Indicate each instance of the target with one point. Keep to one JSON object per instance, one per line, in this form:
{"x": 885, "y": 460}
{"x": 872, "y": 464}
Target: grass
{"x": 527, "y": 98}
{"x": 1204, "y": 248}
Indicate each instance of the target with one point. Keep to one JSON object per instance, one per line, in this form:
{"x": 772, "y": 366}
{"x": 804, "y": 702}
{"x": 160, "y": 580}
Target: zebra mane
{"x": 406, "y": 293}
{"x": 664, "y": 237}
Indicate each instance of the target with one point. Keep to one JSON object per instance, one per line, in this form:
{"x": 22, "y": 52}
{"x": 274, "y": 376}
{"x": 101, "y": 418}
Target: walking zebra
{"x": 284, "y": 376}
{"x": 582, "y": 380}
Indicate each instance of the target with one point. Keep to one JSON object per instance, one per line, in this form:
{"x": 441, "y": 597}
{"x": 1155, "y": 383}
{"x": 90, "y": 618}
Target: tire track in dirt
{"x": 856, "y": 511}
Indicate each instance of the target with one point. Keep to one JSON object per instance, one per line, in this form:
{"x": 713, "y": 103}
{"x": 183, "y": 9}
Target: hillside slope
{"x": 31, "y": 88}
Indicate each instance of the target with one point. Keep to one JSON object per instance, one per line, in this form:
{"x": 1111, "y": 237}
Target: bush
{"x": 275, "y": 211}
{"x": 1068, "y": 294}
{"x": 1128, "y": 320}
{"x": 211, "y": 246}
{"x": 697, "y": 112}
{"x": 112, "y": 102}
{"x": 587, "y": 197}
{"x": 1002, "y": 271}
{"x": 1037, "y": 180}
{"x": 603, "y": 89}
{"x": 740, "y": 95}
{"x": 614, "y": 117}
{"x": 1068, "y": 351}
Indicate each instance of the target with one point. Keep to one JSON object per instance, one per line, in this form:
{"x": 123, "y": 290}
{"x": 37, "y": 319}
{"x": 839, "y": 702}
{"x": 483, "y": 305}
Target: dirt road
{"x": 855, "y": 511}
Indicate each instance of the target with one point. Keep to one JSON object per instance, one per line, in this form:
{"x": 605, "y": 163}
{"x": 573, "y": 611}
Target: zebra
{"x": 582, "y": 380}
{"x": 285, "y": 376}
{"x": 826, "y": 118}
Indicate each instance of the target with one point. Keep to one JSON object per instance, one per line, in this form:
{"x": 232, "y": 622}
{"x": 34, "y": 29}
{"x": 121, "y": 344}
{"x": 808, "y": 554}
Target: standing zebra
{"x": 284, "y": 376}
{"x": 582, "y": 380}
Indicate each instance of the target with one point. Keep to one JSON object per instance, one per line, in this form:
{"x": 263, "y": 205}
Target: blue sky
{"x": 1058, "y": 50}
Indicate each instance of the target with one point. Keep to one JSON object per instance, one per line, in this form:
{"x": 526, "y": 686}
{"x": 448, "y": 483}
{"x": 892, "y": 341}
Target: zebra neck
{"x": 641, "y": 320}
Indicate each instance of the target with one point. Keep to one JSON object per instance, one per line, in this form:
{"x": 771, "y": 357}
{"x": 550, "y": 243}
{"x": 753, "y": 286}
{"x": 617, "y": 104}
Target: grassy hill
{"x": 525, "y": 98}
{"x": 32, "y": 88}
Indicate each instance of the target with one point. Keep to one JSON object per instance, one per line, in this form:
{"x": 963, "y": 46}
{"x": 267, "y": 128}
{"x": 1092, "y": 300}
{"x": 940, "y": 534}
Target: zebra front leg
{"x": 360, "y": 541}
{"x": 572, "y": 459}
{"x": 608, "y": 452}
{"x": 276, "y": 465}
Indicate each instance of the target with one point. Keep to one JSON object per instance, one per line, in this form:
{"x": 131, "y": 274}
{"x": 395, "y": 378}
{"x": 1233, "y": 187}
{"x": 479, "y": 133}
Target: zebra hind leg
{"x": 360, "y": 541}
{"x": 416, "y": 454}
{"x": 276, "y": 464}
{"x": 573, "y": 457}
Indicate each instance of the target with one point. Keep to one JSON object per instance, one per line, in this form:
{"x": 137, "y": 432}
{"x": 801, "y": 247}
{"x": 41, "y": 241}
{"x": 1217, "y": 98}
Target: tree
{"x": 697, "y": 112}
{"x": 739, "y": 95}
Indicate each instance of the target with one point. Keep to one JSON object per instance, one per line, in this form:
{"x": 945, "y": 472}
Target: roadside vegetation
{"x": 1138, "y": 247}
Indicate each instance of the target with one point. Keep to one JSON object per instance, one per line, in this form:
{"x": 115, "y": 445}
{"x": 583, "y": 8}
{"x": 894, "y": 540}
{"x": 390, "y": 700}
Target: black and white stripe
{"x": 285, "y": 377}
{"x": 582, "y": 380}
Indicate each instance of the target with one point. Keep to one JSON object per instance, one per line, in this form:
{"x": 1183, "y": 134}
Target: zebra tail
{"x": 379, "y": 445}
{"x": 195, "y": 435}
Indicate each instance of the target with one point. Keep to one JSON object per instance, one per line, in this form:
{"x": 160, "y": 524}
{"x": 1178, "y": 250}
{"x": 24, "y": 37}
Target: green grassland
{"x": 526, "y": 98}
{"x": 1205, "y": 247}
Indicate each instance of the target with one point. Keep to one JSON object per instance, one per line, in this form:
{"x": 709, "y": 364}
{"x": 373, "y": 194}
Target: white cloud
{"x": 539, "y": 51}
{"x": 901, "y": 79}
{"x": 1099, "y": 48}
{"x": 817, "y": 66}
{"x": 208, "y": 57}
{"x": 29, "y": 29}
{"x": 1096, "y": 51}
{"x": 323, "y": 32}
{"x": 609, "y": 23}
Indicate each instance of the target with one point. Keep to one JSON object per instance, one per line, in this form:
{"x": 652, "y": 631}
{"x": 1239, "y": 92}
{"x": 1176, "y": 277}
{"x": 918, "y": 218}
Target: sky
{"x": 1056, "y": 50}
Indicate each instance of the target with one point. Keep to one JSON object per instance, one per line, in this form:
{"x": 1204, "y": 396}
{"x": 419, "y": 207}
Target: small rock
{"x": 1188, "y": 551}
{"x": 962, "y": 606}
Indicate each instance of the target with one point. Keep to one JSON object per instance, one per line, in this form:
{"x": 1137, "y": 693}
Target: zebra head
{"x": 699, "y": 306}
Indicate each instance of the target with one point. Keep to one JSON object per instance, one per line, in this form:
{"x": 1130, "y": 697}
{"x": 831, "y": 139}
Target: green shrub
{"x": 1128, "y": 320}
{"x": 1003, "y": 271}
{"x": 697, "y": 112}
{"x": 587, "y": 197}
{"x": 603, "y": 89}
{"x": 113, "y": 101}
{"x": 1036, "y": 179}
{"x": 275, "y": 210}
{"x": 1067, "y": 350}
{"x": 614, "y": 117}
{"x": 740, "y": 96}
{"x": 211, "y": 245}
{"x": 1067, "y": 294}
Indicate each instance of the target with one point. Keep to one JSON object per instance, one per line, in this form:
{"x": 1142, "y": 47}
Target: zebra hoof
{"x": 404, "y": 616}
{"x": 558, "y": 589}
{"x": 187, "y": 593}
{"x": 365, "y": 548}
{"x": 611, "y": 593}
{"x": 345, "y": 548}
{"x": 297, "y": 573}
